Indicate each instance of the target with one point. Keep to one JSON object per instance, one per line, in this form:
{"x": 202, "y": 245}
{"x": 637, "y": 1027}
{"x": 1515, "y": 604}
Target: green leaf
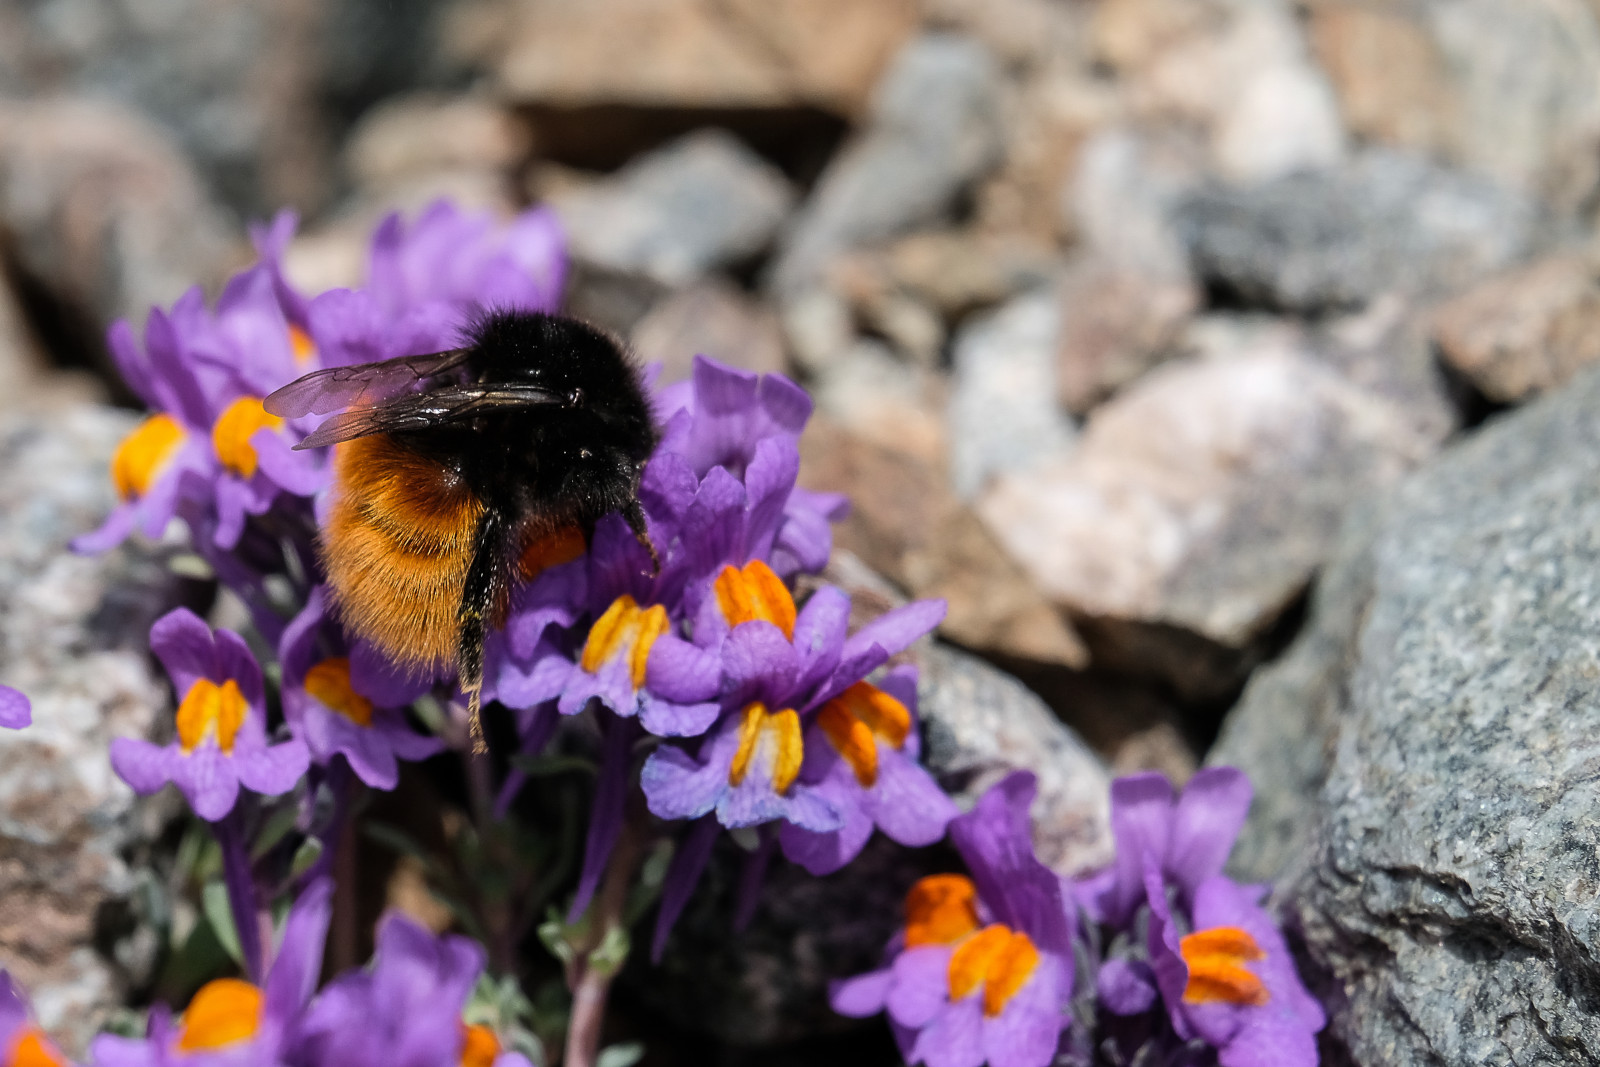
{"x": 553, "y": 935}
{"x": 612, "y": 953}
{"x": 219, "y": 913}
{"x": 190, "y": 565}
{"x": 277, "y": 827}
{"x": 309, "y": 852}
{"x": 625, "y": 1055}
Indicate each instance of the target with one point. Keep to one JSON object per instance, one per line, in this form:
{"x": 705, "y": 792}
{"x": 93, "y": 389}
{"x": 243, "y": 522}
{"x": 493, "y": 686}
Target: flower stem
{"x": 240, "y": 883}
{"x": 589, "y": 978}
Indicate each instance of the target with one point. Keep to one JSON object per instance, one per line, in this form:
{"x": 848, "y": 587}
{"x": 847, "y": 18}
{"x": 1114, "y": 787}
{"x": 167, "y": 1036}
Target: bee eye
{"x": 575, "y": 397}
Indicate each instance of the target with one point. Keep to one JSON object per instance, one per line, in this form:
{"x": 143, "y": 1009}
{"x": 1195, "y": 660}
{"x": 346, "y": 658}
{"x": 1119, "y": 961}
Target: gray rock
{"x": 1337, "y": 238}
{"x": 102, "y": 209}
{"x": 1438, "y": 823}
{"x": 712, "y": 318}
{"x": 702, "y": 202}
{"x": 1003, "y": 415}
{"x": 72, "y": 636}
{"x": 935, "y": 128}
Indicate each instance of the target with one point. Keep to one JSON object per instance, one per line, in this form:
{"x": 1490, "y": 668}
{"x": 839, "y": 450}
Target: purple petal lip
{"x": 15, "y": 709}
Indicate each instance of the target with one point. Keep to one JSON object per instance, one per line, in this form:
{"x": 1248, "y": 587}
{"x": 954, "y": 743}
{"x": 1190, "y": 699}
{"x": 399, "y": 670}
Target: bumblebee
{"x": 458, "y": 472}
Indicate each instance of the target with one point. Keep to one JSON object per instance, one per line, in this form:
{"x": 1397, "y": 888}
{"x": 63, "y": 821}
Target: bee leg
{"x": 634, "y": 514}
{"x": 481, "y": 595}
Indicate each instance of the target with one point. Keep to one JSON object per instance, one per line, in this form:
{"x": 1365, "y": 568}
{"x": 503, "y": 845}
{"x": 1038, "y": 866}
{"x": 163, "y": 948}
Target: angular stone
{"x": 702, "y": 202}
{"x": 1238, "y": 70}
{"x": 1527, "y": 331}
{"x": 952, "y": 271}
{"x": 1198, "y": 504}
{"x": 1503, "y": 87}
{"x": 934, "y": 129}
{"x": 1003, "y": 416}
{"x": 1337, "y": 238}
{"x": 1116, "y": 323}
{"x": 103, "y": 210}
{"x": 711, "y": 319}
{"x": 680, "y": 53}
{"x": 906, "y": 524}
{"x": 423, "y": 133}
{"x": 73, "y": 638}
{"x": 1437, "y": 830}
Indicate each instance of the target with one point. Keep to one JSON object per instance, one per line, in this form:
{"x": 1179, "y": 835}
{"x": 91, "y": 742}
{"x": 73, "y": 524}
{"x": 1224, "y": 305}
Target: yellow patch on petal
{"x": 231, "y": 433}
{"x": 329, "y": 684}
{"x": 852, "y": 722}
{"x": 775, "y": 735}
{"x": 996, "y": 957}
{"x": 1216, "y": 959}
{"x": 624, "y": 630}
{"x": 301, "y": 345}
{"x": 143, "y": 454}
{"x": 30, "y": 1048}
{"x": 225, "y": 1011}
{"x": 211, "y": 710}
{"x": 479, "y": 1046}
{"x": 941, "y": 909}
{"x": 755, "y": 593}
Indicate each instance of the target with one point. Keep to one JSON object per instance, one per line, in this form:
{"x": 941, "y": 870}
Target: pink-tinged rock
{"x": 711, "y": 318}
{"x": 1198, "y": 504}
{"x": 1527, "y": 331}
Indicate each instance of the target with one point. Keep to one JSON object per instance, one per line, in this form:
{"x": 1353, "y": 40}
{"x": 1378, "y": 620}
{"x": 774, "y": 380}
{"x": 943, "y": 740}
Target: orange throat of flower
{"x": 329, "y": 684}
{"x": 211, "y": 710}
{"x": 755, "y": 593}
{"x": 770, "y": 742}
{"x": 627, "y": 630}
{"x": 144, "y": 454}
{"x": 1217, "y": 974}
{"x": 231, "y": 433}
{"x": 225, "y": 1011}
{"x": 856, "y": 720}
{"x": 30, "y": 1048}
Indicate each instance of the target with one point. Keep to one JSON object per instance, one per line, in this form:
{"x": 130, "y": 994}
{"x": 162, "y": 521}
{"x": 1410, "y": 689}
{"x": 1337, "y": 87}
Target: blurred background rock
{"x": 1113, "y": 309}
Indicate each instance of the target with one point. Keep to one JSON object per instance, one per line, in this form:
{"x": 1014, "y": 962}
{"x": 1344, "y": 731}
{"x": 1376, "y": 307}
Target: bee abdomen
{"x": 397, "y": 547}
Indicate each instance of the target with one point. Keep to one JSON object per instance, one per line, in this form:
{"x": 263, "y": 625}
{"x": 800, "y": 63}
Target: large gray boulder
{"x": 1428, "y": 754}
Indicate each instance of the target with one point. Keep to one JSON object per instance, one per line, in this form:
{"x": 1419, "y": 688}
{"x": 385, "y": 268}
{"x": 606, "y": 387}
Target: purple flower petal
{"x": 683, "y": 874}
{"x": 955, "y": 1036}
{"x": 921, "y": 988}
{"x": 144, "y": 766}
{"x": 1027, "y": 1031}
{"x": 15, "y": 709}
{"x": 862, "y": 996}
{"x": 1141, "y": 822}
{"x": 681, "y": 672}
{"x": 1126, "y": 987}
{"x": 907, "y": 804}
{"x": 677, "y": 787}
{"x": 208, "y": 780}
{"x": 605, "y": 818}
{"x": 294, "y": 974}
{"x": 1207, "y": 820}
{"x": 275, "y": 770}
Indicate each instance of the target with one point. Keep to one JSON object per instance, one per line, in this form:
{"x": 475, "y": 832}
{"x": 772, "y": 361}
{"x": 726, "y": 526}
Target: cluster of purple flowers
{"x": 707, "y": 692}
{"x": 1175, "y": 962}
{"x": 403, "y": 1010}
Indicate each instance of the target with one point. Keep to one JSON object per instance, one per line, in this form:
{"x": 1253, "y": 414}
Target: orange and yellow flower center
{"x": 1216, "y": 959}
{"x": 479, "y": 1046}
{"x": 941, "y": 909}
{"x": 231, "y": 433}
{"x": 997, "y": 957}
{"x": 211, "y": 710}
{"x": 143, "y": 454}
{"x": 553, "y": 549}
{"x": 30, "y": 1048}
{"x": 770, "y": 739}
{"x": 301, "y": 345}
{"x": 628, "y": 630}
{"x": 755, "y": 593}
{"x": 329, "y": 684}
{"x": 855, "y": 719}
{"x": 225, "y": 1011}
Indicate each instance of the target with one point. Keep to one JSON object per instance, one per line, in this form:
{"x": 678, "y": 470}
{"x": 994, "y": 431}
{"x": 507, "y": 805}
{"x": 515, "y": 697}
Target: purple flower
{"x": 1188, "y": 838}
{"x": 777, "y": 666}
{"x": 332, "y": 714}
{"x": 222, "y": 738}
{"x": 232, "y": 1023}
{"x": 982, "y": 972}
{"x": 22, "y": 1043}
{"x": 1231, "y": 982}
{"x": 404, "y": 1010}
{"x": 16, "y": 711}
{"x": 427, "y": 280}
{"x": 861, "y": 754}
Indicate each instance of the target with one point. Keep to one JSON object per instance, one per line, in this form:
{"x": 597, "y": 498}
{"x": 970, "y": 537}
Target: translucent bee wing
{"x": 358, "y": 385}
{"x": 419, "y": 411}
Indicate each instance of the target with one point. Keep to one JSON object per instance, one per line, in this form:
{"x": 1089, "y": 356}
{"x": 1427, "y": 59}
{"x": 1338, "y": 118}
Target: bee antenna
{"x": 634, "y": 514}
